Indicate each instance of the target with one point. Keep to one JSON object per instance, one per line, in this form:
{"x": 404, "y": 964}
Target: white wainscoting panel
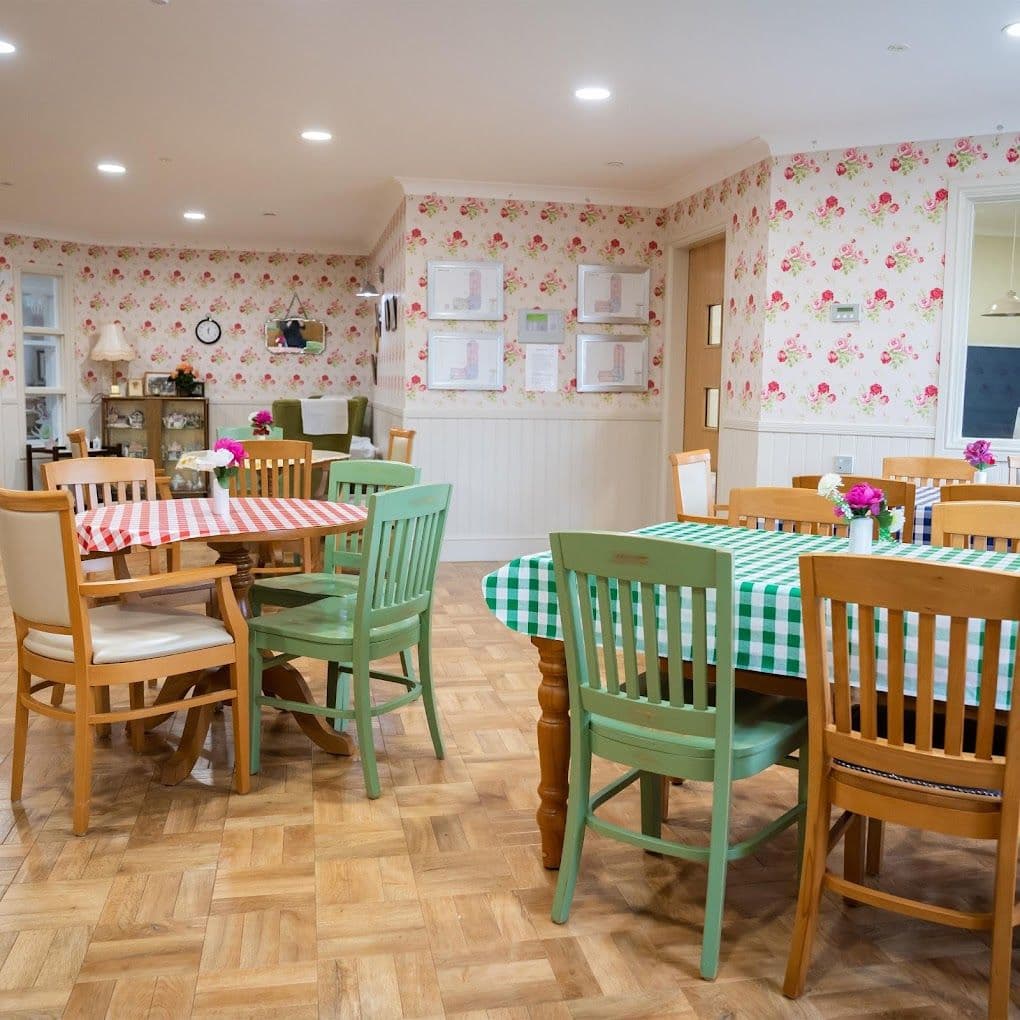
{"x": 385, "y": 418}
{"x": 517, "y": 479}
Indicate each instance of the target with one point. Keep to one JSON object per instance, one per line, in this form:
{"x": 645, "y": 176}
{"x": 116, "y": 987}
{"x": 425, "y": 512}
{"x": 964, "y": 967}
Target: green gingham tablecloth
{"x": 767, "y": 630}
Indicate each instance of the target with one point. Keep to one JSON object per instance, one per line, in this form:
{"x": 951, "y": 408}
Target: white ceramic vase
{"x": 981, "y": 476}
{"x": 861, "y": 534}
{"x": 220, "y": 498}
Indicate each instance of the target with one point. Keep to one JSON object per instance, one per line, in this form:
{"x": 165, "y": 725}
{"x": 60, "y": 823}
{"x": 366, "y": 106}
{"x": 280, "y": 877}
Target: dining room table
{"x": 249, "y": 521}
{"x": 768, "y": 653}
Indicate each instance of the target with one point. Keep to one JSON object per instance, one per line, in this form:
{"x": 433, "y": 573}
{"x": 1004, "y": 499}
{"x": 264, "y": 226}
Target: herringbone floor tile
{"x": 304, "y": 899}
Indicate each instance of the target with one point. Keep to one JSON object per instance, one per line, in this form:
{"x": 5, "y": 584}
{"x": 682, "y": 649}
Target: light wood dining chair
{"x": 928, "y": 470}
{"x": 693, "y": 490}
{"x": 977, "y": 524}
{"x": 897, "y": 494}
{"x": 280, "y": 468}
{"x": 795, "y": 510}
{"x": 983, "y": 493}
{"x": 62, "y": 640}
{"x": 401, "y": 445}
{"x": 908, "y": 771}
{"x": 657, "y": 723}
{"x": 78, "y": 442}
{"x": 1014, "y": 468}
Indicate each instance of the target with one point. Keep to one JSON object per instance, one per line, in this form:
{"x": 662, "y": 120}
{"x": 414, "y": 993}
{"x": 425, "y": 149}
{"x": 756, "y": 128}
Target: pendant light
{"x": 1009, "y": 304}
{"x": 369, "y": 289}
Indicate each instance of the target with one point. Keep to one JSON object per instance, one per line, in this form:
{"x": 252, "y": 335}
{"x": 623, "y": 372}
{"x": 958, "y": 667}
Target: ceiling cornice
{"x": 711, "y": 171}
{"x": 529, "y": 192}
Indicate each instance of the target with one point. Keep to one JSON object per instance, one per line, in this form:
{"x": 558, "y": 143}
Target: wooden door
{"x": 704, "y": 347}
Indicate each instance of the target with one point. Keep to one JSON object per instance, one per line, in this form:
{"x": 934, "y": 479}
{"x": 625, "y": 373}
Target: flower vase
{"x": 981, "y": 476}
{"x": 220, "y": 497}
{"x": 861, "y": 535}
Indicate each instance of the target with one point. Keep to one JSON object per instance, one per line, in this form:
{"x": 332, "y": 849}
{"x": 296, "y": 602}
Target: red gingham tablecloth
{"x": 157, "y": 522}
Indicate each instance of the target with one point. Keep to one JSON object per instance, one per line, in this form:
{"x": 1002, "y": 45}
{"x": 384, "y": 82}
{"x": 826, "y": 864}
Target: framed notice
{"x": 612, "y": 364}
{"x": 465, "y": 290}
{"x": 540, "y": 326}
{"x": 613, "y": 294}
{"x": 465, "y": 361}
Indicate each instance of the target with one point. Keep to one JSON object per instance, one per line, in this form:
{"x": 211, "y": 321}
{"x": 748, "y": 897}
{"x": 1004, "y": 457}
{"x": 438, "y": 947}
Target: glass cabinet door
{"x": 183, "y": 432}
{"x": 126, "y": 427}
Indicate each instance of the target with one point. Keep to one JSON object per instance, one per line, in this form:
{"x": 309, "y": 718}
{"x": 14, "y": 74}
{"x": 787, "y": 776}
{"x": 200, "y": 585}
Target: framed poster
{"x": 613, "y": 294}
{"x": 541, "y": 326}
{"x": 612, "y": 364}
{"x": 465, "y": 361}
{"x": 465, "y": 290}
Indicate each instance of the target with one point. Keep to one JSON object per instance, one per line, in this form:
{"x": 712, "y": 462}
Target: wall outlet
{"x": 844, "y": 464}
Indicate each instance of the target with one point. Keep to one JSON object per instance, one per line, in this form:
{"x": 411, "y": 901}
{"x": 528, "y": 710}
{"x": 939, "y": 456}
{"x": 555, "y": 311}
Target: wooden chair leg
{"x": 82, "y": 764}
{"x": 574, "y": 830}
{"x": 853, "y": 854}
{"x": 363, "y": 720}
{"x": 428, "y": 693}
{"x": 57, "y": 695}
{"x": 715, "y": 897}
{"x": 255, "y": 708}
{"x": 241, "y": 708}
{"x": 338, "y": 691}
{"x": 666, "y": 783}
{"x": 651, "y": 804}
{"x": 1002, "y": 913}
{"x": 812, "y": 872}
{"x": 102, "y": 699}
{"x": 20, "y": 734}
{"x": 136, "y": 727}
{"x": 873, "y": 854}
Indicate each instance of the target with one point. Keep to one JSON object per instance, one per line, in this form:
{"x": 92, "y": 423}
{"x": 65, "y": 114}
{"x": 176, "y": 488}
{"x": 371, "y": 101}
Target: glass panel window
{"x": 40, "y": 301}
{"x": 714, "y": 325}
{"x": 711, "y": 408}
{"x": 44, "y": 418}
{"x": 42, "y": 361}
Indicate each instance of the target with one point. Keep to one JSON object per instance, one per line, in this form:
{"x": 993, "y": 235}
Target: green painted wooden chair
{"x": 241, "y": 432}
{"x": 671, "y": 723}
{"x": 390, "y": 613}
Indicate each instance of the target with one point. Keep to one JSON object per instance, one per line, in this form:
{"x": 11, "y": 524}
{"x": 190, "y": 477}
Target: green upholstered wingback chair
{"x": 287, "y": 415}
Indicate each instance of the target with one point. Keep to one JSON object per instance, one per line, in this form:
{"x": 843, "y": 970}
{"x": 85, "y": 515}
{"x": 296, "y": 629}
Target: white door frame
{"x": 674, "y": 348}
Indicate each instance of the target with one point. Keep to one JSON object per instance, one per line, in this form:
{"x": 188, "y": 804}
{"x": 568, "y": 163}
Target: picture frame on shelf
{"x": 159, "y": 384}
{"x": 135, "y": 388}
{"x": 608, "y": 294}
{"x": 465, "y": 361}
{"x": 465, "y": 290}
{"x": 612, "y": 363}
{"x": 198, "y": 389}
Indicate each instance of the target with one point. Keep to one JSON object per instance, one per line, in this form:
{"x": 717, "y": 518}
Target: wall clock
{"x": 208, "y": 330}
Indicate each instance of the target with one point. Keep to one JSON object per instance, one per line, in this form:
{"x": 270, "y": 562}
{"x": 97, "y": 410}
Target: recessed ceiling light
{"x": 1012, "y": 30}
{"x": 194, "y": 214}
{"x": 7, "y": 47}
{"x": 615, "y": 163}
{"x": 593, "y": 93}
{"x": 111, "y": 168}
{"x": 898, "y": 47}
{"x": 6, "y": 184}
{"x": 316, "y": 135}
{"x": 269, "y": 214}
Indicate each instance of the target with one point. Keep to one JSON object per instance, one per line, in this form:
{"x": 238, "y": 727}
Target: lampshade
{"x": 112, "y": 344}
{"x": 1009, "y": 304}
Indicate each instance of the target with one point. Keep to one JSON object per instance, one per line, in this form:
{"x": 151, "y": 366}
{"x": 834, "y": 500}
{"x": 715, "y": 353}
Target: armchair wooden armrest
{"x": 156, "y": 582}
{"x": 725, "y": 507}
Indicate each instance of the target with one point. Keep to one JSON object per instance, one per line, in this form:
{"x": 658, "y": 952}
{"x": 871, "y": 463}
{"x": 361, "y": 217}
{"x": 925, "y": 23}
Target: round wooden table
{"x": 251, "y": 520}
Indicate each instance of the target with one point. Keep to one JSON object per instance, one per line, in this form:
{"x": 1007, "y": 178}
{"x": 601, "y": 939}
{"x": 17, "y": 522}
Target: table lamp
{"x": 113, "y": 347}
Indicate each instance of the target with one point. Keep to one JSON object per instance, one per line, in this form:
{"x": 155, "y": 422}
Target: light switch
{"x": 844, "y": 464}
{"x": 844, "y": 313}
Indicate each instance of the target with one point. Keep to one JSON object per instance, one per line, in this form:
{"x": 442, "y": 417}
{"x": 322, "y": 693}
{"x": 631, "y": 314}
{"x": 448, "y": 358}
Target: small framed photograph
{"x": 198, "y": 389}
{"x": 465, "y": 361}
{"x": 612, "y": 364}
{"x": 135, "y": 388}
{"x": 613, "y": 294}
{"x": 159, "y": 384}
{"x": 465, "y": 290}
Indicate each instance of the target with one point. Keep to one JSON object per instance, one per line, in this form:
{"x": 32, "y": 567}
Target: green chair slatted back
{"x": 240, "y": 432}
{"x": 354, "y": 481}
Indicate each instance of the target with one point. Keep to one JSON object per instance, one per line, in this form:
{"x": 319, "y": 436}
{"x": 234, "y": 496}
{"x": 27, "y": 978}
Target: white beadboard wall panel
{"x": 738, "y": 460}
{"x": 517, "y": 479}
{"x": 383, "y": 419}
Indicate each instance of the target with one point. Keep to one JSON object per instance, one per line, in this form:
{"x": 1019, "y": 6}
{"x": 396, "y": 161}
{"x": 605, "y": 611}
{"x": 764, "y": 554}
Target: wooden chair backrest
{"x": 99, "y": 481}
{"x": 897, "y": 493}
{"x": 403, "y": 537}
{"x": 78, "y": 442}
{"x": 275, "y": 467}
{"x": 857, "y": 590}
{"x": 797, "y": 510}
{"x": 691, "y": 472}
{"x": 983, "y": 493}
{"x": 977, "y": 524}
{"x": 648, "y": 575}
{"x": 927, "y": 470}
{"x": 401, "y": 445}
{"x": 1014, "y": 468}
{"x": 354, "y": 481}
{"x": 241, "y": 432}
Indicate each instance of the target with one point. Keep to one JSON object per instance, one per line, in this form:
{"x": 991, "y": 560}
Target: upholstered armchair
{"x": 287, "y": 415}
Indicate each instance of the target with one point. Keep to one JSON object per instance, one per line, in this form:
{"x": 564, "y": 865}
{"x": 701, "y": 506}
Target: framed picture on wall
{"x": 465, "y": 290}
{"x": 607, "y": 363}
{"x": 159, "y": 384}
{"x": 613, "y": 294}
{"x": 465, "y": 361}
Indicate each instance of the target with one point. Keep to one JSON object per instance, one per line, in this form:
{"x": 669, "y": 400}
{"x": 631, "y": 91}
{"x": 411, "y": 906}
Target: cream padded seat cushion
{"x": 125, "y": 633}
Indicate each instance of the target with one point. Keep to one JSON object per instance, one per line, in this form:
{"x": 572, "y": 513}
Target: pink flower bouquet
{"x": 223, "y": 459}
{"x": 861, "y": 500}
{"x": 979, "y": 454}
{"x": 261, "y": 422}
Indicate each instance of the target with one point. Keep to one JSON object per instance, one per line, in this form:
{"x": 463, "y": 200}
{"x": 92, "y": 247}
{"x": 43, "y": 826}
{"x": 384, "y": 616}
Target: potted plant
{"x": 261, "y": 422}
{"x": 979, "y": 455}
{"x": 183, "y": 377}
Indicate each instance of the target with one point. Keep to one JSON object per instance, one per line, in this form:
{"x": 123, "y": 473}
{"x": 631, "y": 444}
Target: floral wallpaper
{"x": 159, "y": 294}
{"x": 389, "y": 255}
{"x": 865, "y": 225}
{"x": 540, "y": 245}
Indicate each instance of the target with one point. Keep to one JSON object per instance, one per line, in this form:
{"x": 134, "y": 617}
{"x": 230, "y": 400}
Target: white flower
{"x": 221, "y": 458}
{"x": 896, "y": 524}
{"x": 828, "y": 485}
{"x": 205, "y": 460}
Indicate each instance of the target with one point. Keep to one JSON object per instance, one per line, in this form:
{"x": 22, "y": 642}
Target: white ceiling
{"x": 474, "y": 90}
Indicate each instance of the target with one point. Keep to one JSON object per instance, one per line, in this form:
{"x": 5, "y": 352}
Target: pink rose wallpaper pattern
{"x": 159, "y": 294}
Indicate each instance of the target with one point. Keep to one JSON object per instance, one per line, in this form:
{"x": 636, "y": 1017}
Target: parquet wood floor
{"x": 304, "y": 899}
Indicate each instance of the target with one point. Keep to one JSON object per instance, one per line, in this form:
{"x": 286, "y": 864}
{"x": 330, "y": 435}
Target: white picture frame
{"x": 465, "y": 361}
{"x": 612, "y": 363}
{"x": 465, "y": 291}
{"x": 610, "y": 294}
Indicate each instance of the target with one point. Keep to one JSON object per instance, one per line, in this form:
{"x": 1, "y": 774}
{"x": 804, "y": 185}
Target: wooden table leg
{"x": 553, "y": 748}
{"x": 286, "y": 682}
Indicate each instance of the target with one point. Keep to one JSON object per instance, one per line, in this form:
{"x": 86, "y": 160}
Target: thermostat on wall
{"x": 844, "y": 313}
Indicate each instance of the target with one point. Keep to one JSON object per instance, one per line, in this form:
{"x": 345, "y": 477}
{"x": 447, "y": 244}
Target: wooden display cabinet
{"x": 160, "y": 429}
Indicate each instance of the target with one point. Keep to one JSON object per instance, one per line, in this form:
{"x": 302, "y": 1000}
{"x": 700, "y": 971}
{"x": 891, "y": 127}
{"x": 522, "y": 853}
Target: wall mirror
{"x": 296, "y": 336}
{"x": 979, "y": 376}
